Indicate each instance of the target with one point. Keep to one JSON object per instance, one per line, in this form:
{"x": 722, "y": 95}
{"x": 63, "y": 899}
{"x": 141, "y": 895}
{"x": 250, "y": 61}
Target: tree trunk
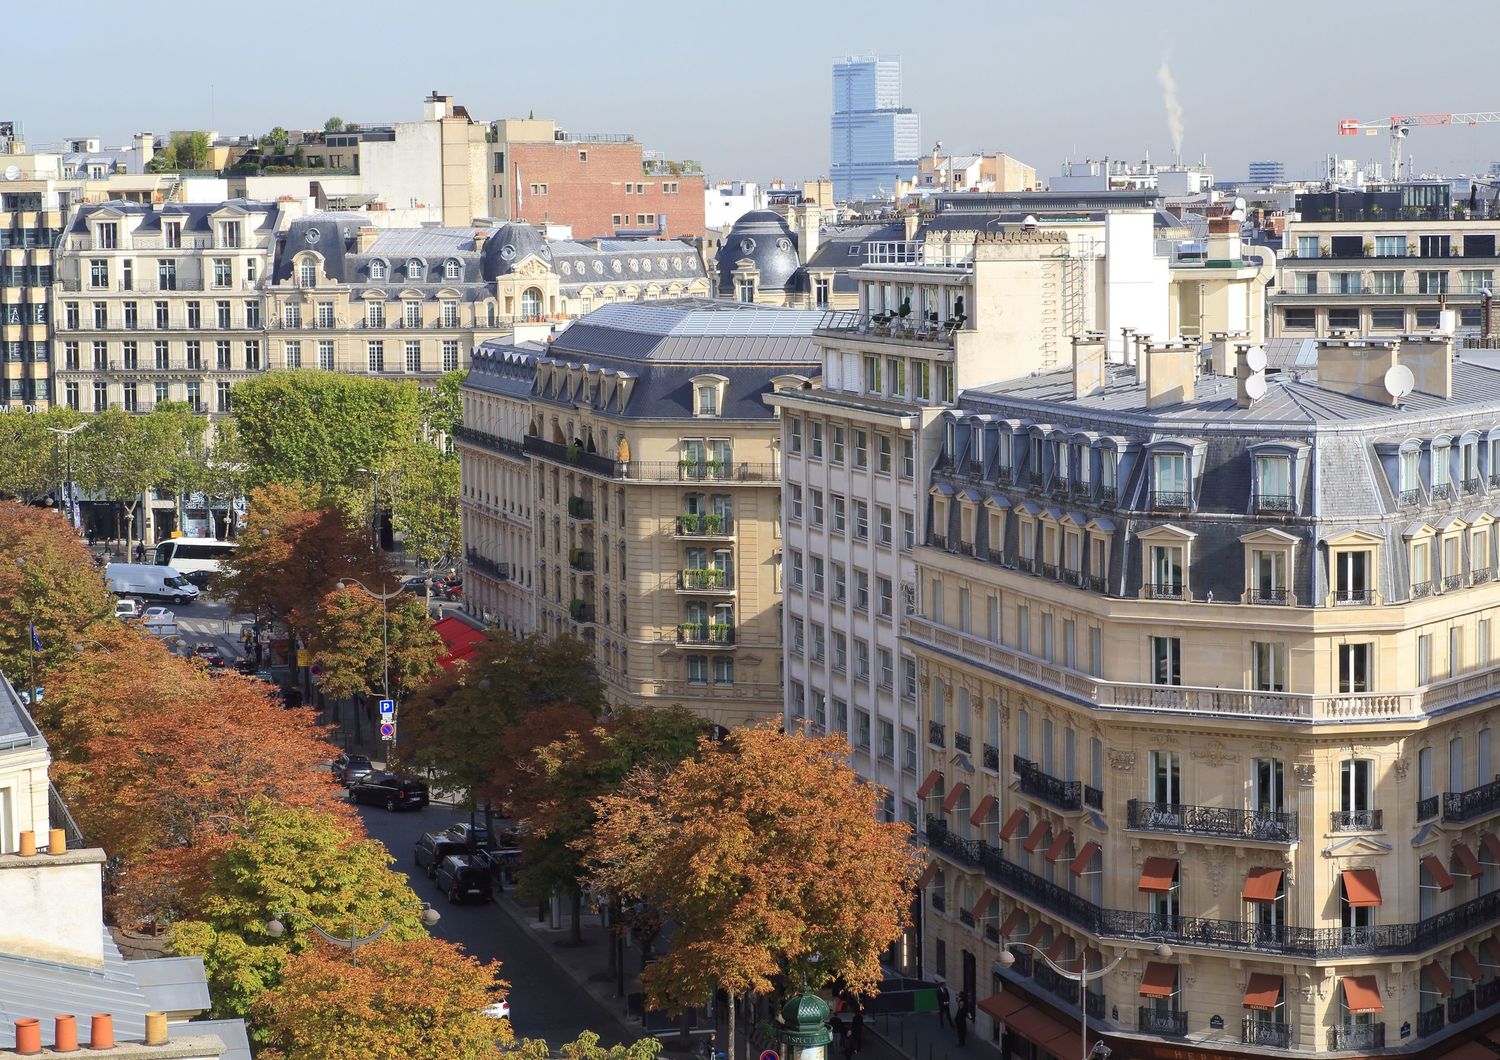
{"x": 614, "y": 930}
{"x": 576, "y": 914}
{"x": 731, "y": 1050}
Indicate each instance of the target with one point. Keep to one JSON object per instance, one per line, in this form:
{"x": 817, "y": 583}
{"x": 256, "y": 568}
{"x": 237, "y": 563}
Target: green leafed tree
{"x": 122, "y": 455}
{"x": 352, "y": 639}
{"x": 333, "y": 125}
{"x": 423, "y": 498}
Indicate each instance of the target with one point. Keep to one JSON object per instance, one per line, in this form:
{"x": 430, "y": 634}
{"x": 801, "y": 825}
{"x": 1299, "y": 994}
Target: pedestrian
{"x": 857, "y": 1027}
{"x": 945, "y": 1018}
{"x": 140, "y": 552}
{"x": 963, "y": 1005}
{"x": 847, "y": 1041}
{"x": 961, "y": 1027}
{"x": 93, "y": 536}
{"x": 837, "y": 1026}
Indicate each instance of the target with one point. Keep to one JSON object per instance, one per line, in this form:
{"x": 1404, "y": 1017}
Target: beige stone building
{"x": 1205, "y": 661}
{"x": 656, "y": 474}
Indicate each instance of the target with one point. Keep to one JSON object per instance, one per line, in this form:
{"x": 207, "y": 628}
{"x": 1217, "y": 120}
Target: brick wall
{"x": 586, "y": 185}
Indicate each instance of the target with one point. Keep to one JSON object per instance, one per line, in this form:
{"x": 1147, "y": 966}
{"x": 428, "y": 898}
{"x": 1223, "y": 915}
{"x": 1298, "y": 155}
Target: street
{"x": 545, "y": 1002}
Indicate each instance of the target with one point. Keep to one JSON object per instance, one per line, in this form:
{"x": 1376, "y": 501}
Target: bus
{"x": 196, "y": 558}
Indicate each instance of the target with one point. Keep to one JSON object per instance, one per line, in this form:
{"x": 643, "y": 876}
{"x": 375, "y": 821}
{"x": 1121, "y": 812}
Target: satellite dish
{"x": 12, "y": 172}
{"x": 1255, "y": 387}
{"x": 1239, "y": 202}
{"x": 1399, "y": 381}
{"x": 1255, "y": 359}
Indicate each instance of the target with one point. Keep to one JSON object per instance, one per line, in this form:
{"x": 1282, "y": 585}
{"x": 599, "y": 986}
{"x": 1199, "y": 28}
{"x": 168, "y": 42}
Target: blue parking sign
{"x": 387, "y": 706}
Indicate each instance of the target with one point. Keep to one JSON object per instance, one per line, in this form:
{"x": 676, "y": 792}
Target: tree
{"x": 443, "y": 404}
{"x": 424, "y": 509}
{"x": 122, "y": 455}
{"x": 293, "y": 550}
{"x": 161, "y": 763}
{"x": 351, "y": 639}
{"x": 402, "y": 999}
{"x": 333, "y": 125}
{"x": 31, "y": 463}
{"x": 768, "y": 854}
{"x": 562, "y": 778}
{"x": 586, "y": 1047}
{"x": 290, "y": 864}
{"x": 322, "y": 428}
{"x": 47, "y": 577}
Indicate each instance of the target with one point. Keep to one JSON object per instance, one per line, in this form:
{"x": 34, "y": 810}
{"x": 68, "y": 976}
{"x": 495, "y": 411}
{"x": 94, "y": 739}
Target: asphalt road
{"x": 544, "y": 1001}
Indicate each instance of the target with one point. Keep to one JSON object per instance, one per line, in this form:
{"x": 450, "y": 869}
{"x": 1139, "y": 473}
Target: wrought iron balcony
{"x": 1164, "y": 590}
{"x": 1168, "y": 1024}
{"x": 1442, "y": 491}
{"x": 1427, "y": 808}
{"x": 581, "y": 560}
{"x": 1355, "y": 821}
{"x": 1259, "y": 595}
{"x": 1410, "y": 497}
{"x": 1273, "y": 502}
{"x": 1064, "y": 794}
{"x": 580, "y": 508}
{"x": 702, "y": 579}
{"x": 1472, "y": 804}
{"x": 1473, "y": 485}
{"x": 1169, "y": 500}
{"x": 1452, "y": 582}
{"x": 1049, "y": 570}
{"x": 1258, "y": 1032}
{"x": 1481, "y": 575}
{"x": 1346, "y": 597}
{"x": 1096, "y": 584}
{"x": 996, "y": 556}
{"x": 704, "y": 524}
{"x": 1107, "y": 494}
{"x": 1460, "y": 1007}
{"x": 938, "y": 541}
{"x": 1026, "y": 563}
{"x": 473, "y": 436}
{"x": 991, "y": 757}
{"x": 937, "y": 734}
{"x": 961, "y": 742}
{"x": 713, "y": 633}
{"x": 1038, "y": 891}
{"x": 486, "y": 566}
{"x": 1430, "y": 1022}
{"x": 581, "y": 611}
{"x": 1356, "y": 1036}
{"x": 1265, "y": 826}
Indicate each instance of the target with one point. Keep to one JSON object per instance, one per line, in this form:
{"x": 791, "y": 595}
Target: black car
{"x": 347, "y": 768}
{"x": 211, "y": 654}
{"x": 390, "y": 791}
{"x": 472, "y": 836}
{"x": 463, "y": 881}
{"x": 432, "y": 848}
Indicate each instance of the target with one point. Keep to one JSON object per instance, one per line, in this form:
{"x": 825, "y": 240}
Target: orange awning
{"x": 1263, "y": 992}
{"x": 1059, "y": 846}
{"x": 1037, "y": 934}
{"x": 1032, "y": 1024}
{"x": 1438, "y": 871}
{"x": 1013, "y": 824}
{"x": 1467, "y": 861}
{"x": 1470, "y": 964}
{"x": 1160, "y": 979}
{"x": 1361, "y": 888}
{"x": 1491, "y": 844}
{"x": 927, "y": 874}
{"x": 1037, "y": 837}
{"x": 1262, "y": 885}
{"x": 1360, "y": 992}
{"x": 1491, "y": 950}
{"x": 982, "y": 906}
{"x": 1157, "y": 876}
{"x": 1085, "y": 858}
{"x": 1001, "y": 1006}
{"x": 1012, "y": 922}
{"x": 1058, "y": 947}
{"x": 955, "y": 796}
{"x": 1437, "y": 975}
{"x": 934, "y": 780}
{"x": 982, "y": 811}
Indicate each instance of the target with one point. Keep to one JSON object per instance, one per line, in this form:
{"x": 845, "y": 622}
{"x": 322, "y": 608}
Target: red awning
{"x": 1262, "y": 885}
{"x": 1491, "y": 950}
{"x": 1263, "y": 992}
{"x": 1470, "y": 964}
{"x": 1160, "y": 980}
{"x": 982, "y": 907}
{"x": 1084, "y": 858}
{"x": 1013, "y": 824}
{"x": 1038, "y": 933}
{"x": 460, "y": 640}
{"x": 1491, "y": 844}
{"x": 1059, "y": 846}
{"x": 934, "y": 780}
{"x": 1361, "y": 888}
{"x": 1046, "y": 1033}
{"x": 1037, "y": 837}
{"x": 1360, "y": 992}
{"x": 927, "y": 874}
{"x": 1438, "y": 871}
{"x": 1437, "y": 975}
{"x": 955, "y": 796}
{"x": 1012, "y": 922}
{"x": 1001, "y": 1006}
{"x": 1058, "y": 947}
{"x": 1158, "y": 875}
{"x": 1467, "y": 861}
{"x": 981, "y": 812}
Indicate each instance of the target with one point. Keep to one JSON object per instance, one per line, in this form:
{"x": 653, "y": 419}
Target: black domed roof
{"x": 506, "y": 244}
{"x": 764, "y": 238}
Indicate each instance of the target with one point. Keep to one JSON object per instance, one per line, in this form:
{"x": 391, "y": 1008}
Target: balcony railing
{"x": 1169, "y": 500}
{"x": 1473, "y": 485}
{"x": 1427, "y": 808}
{"x": 961, "y": 742}
{"x": 1347, "y": 597}
{"x": 1430, "y": 1022}
{"x": 1481, "y": 575}
{"x": 704, "y": 524}
{"x": 1064, "y": 794}
{"x": 1410, "y": 497}
{"x": 580, "y": 560}
{"x": 1268, "y": 596}
{"x": 654, "y": 470}
{"x": 938, "y": 541}
{"x": 57, "y": 810}
{"x": 1442, "y": 491}
{"x": 485, "y": 440}
{"x": 580, "y": 508}
{"x": 581, "y": 611}
{"x": 956, "y": 848}
{"x": 1472, "y": 804}
{"x": 1164, "y": 590}
{"x": 701, "y": 579}
{"x": 1265, "y": 826}
{"x": 1452, "y": 582}
{"x": 1460, "y": 1006}
{"x": 1107, "y": 494}
{"x": 1258, "y": 1032}
{"x": 937, "y": 734}
{"x": 991, "y": 757}
{"x": 1273, "y": 502}
{"x": 714, "y": 633}
{"x": 1355, "y": 821}
{"x": 484, "y": 565}
{"x": 1356, "y": 1036}
{"x": 1169, "y": 1024}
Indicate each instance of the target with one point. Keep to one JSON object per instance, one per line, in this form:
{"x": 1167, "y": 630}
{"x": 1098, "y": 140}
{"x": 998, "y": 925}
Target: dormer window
{"x": 1169, "y": 480}
{"x": 107, "y": 235}
{"x": 307, "y": 273}
{"x": 708, "y": 394}
{"x": 229, "y": 234}
{"x": 452, "y": 270}
{"x": 1410, "y": 475}
{"x": 377, "y": 270}
{"x": 708, "y": 401}
{"x": 1273, "y": 483}
{"x": 171, "y": 233}
{"x": 414, "y": 269}
{"x": 1442, "y": 487}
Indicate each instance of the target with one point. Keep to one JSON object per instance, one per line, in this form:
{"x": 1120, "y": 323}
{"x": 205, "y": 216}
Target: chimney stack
{"x": 1430, "y": 358}
{"x": 480, "y": 235}
{"x": 65, "y": 1034}
{"x": 1223, "y": 242}
{"x": 1088, "y": 364}
{"x": 1242, "y": 374}
{"x": 364, "y": 239}
{"x": 145, "y": 143}
{"x": 1357, "y": 367}
{"x": 1171, "y": 371}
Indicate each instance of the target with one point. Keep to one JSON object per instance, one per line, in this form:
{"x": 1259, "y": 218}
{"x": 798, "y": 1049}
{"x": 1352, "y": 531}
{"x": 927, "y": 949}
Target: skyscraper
{"x": 874, "y": 139}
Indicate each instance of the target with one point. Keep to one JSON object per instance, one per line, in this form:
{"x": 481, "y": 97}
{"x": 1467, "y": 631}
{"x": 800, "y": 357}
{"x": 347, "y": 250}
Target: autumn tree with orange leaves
{"x": 419, "y": 998}
{"x": 768, "y": 854}
{"x": 353, "y": 637}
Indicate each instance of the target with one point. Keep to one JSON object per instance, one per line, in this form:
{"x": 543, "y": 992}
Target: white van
{"x": 149, "y": 580}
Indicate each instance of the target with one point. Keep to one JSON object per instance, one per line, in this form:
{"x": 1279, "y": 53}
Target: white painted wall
{"x": 726, "y": 203}
{"x": 408, "y": 170}
{"x": 1135, "y": 279}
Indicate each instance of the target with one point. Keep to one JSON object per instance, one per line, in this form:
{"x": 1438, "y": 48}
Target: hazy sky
{"x": 745, "y": 88}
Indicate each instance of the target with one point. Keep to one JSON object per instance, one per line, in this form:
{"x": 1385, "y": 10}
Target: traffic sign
{"x": 387, "y": 706}
{"x": 770, "y": 1054}
{"x": 387, "y": 732}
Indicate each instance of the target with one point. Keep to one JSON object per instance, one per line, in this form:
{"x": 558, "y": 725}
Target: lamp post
{"x": 1082, "y": 976}
{"x": 385, "y": 635}
{"x": 374, "y": 506}
{"x": 66, "y": 434}
{"x": 276, "y": 928}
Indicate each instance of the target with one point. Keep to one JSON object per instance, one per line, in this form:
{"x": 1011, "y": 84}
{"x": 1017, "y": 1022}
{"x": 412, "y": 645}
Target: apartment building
{"x": 1205, "y": 662}
{"x": 160, "y": 302}
{"x": 1377, "y": 263}
{"x": 31, "y": 223}
{"x": 495, "y": 501}
{"x": 656, "y": 470}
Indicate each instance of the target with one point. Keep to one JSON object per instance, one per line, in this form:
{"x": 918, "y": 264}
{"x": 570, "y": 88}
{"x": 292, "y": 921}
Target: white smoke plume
{"x": 1174, "y": 106}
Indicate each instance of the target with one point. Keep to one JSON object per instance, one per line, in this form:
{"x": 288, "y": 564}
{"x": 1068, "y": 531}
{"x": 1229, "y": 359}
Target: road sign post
{"x": 388, "y": 732}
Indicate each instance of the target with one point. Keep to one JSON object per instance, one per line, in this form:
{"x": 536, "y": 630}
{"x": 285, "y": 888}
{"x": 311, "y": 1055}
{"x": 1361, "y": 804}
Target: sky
{"x": 745, "y": 88}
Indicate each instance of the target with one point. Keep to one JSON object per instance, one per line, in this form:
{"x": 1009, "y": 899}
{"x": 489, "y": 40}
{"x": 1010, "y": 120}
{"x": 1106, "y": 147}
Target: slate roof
{"x": 843, "y": 249}
{"x": 499, "y": 367}
{"x": 231, "y": 1032}
{"x": 195, "y": 217}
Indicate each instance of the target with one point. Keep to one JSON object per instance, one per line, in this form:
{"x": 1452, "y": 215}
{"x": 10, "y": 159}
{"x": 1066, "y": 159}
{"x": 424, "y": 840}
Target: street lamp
{"x": 374, "y": 505}
{"x": 1082, "y": 976}
{"x": 276, "y": 928}
{"x": 66, "y": 434}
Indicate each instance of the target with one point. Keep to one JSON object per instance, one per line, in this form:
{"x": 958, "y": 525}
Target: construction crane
{"x": 1399, "y": 125}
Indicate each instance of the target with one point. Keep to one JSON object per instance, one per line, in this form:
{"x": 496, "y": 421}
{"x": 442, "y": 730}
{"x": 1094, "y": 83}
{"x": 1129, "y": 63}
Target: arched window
{"x": 452, "y": 270}
{"x": 377, "y": 270}
{"x": 307, "y": 273}
{"x": 531, "y": 303}
{"x": 414, "y": 269}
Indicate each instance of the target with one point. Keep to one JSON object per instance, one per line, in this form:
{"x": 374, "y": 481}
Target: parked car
{"x": 415, "y": 585}
{"x": 463, "y": 881}
{"x": 128, "y": 609}
{"x": 472, "y": 836}
{"x": 211, "y": 654}
{"x": 159, "y": 614}
{"x": 498, "y": 1010}
{"x": 432, "y": 848}
{"x": 390, "y": 791}
{"x": 347, "y": 768}
{"x": 449, "y": 586}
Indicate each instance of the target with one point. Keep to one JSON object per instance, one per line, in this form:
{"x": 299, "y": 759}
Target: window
{"x": 1273, "y": 483}
{"x": 819, "y": 642}
{"x": 1170, "y": 480}
{"x": 1354, "y": 667}
{"x": 1352, "y": 576}
{"x": 222, "y": 273}
{"x": 375, "y": 355}
{"x": 374, "y": 314}
{"x": 908, "y": 458}
{"x": 861, "y": 735}
{"x": 861, "y": 659}
{"x": 794, "y": 503}
{"x": 224, "y": 395}
{"x": 908, "y": 532}
{"x": 887, "y": 668}
{"x": 415, "y": 270}
{"x": 821, "y": 288}
{"x": 840, "y": 582}
{"x": 1165, "y": 572}
{"x": 817, "y": 573}
{"x": 292, "y": 352}
{"x": 815, "y": 428}
{"x": 794, "y": 435}
{"x": 883, "y": 590}
{"x": 1307, "y": 246}
{"x": 101, "y": 315}
{"x": 252, "y": 315}
{"x": 883, "y": 520}
{"x": 862, "y": 590}
{"x": 708, "y": 400}
{"x": 1432, "y": 282}
{"x": 99, "y": 273}
{"x": 71, "y": 398}
{"x": 325, "y": 355}
{"x": 861, "y": 520}
{"x": 795, "y": 561}
{"x": 1267, "y": 568}
{"x": 70, "y": 316}
{"x": 697, "y": 670}
{"x": 723, "y": 670}
{"x": 861, "y": 449}
{"x": 883, "y": 450}
{"x": 1166, "y": 778}
{"x": 130, "y": 356}
{"x": 221, "y": 355}
{"x": 816, "y": 497}
{"x": 839, "y": 513}
{"x": 1166, "y": 660}
{"x": 1268, "y": 662}
{"x": 838, "y": 444}
{"x": 377, "y": 270}
{"x": 194, "y": 355}
{"x": 413, "y": 355}
{"x": 909, "y": 679}
{"x": 101, "y": 356}
{"x": 166, "y": 274}
{"x": 307, "y": 273}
